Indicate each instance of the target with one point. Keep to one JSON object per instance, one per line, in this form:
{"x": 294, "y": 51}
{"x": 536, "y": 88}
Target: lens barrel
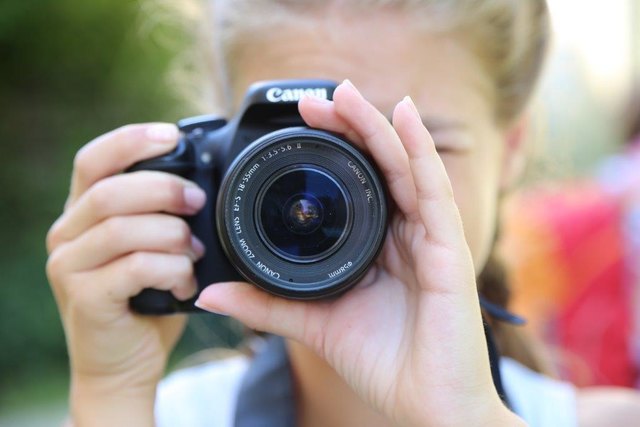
{"x": 301, "y": 213}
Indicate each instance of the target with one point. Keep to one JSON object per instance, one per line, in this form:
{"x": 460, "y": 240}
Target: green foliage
{"x": 70, "y": 70}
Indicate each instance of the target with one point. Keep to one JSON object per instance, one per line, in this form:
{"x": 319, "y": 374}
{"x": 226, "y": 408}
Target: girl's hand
{"x": 107, "y": 246}
{"x": 409, "y": 338}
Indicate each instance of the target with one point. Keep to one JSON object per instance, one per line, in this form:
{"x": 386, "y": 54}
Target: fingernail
{"x": 162, "y": 132}
{"x": 194, "y": 197}
{"x": 412, "y": 105}
{"x": 197, "y": 247}
{"x": 347, "y": 83}
{"x": 202, "y": 307}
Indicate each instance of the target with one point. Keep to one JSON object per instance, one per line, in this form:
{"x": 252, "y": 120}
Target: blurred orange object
{"x": 565, "y": 250}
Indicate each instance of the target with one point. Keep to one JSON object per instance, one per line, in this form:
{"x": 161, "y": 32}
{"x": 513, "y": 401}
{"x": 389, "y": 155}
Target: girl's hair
{"x": 508, "y": 36}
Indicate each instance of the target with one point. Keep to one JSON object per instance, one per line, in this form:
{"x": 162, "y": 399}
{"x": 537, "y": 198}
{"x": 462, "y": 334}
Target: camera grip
{"x": 181, "y": 161}
{"x": 155, "y": 302}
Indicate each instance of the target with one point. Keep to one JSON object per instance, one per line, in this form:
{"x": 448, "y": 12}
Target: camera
{"x": 297, "y": 211}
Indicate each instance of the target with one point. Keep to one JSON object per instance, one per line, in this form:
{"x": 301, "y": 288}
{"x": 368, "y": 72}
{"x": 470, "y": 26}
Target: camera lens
{"x": 303, "y": 213}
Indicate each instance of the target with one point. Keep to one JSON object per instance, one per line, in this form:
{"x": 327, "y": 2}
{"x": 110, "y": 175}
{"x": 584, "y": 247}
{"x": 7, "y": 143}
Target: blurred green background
{"x": 71, "y": 70}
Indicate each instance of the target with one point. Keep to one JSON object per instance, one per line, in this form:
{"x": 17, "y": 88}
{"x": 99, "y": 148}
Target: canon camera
{"x": 298, "y": 212}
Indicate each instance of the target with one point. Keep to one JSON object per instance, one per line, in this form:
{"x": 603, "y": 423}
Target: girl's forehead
{"x": 387, "y": 61}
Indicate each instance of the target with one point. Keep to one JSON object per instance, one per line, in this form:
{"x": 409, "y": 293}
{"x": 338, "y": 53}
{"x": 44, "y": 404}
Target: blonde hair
{"x": 508, "y": 36}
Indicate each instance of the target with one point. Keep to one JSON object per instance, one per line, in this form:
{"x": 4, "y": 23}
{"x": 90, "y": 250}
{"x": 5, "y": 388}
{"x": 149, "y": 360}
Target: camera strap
{"x": 501, "y": 314}
{"x": 494, "y": 363}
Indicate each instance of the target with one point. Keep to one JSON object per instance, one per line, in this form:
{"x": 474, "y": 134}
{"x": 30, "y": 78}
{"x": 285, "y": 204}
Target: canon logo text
{"x": 276, "y": 94}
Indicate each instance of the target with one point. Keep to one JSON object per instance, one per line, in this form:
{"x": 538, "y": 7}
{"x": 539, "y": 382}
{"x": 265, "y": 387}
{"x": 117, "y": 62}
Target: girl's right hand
{"x": 118, "y": 234}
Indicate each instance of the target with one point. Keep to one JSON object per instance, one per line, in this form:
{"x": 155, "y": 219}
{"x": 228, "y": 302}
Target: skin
{"x": 406, "y": 346}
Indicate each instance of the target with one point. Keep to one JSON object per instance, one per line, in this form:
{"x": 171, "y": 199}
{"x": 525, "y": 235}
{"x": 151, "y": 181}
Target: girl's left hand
{"x": 408, "y": 338}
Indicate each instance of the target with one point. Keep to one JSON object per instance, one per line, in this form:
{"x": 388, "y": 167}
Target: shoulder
{"x": 541, "y": 401}
{"x": 202, "y": 395}
{"x": 608, "y": 406}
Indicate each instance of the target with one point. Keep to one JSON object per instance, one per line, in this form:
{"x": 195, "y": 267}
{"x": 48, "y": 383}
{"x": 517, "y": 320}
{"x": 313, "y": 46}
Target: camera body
{"x": 297, "y": 211}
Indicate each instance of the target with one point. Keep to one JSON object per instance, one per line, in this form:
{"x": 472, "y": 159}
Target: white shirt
{"x": 541, "y": 401}
{"x": 203, "y": 395}
{"x": 206, "y": 395}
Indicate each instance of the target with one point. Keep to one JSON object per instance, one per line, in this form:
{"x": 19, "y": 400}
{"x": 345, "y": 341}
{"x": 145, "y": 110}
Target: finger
{"x": 436, "y": 206}
{"x": 320, "y": 113}
{"x": 120, "y": 235}
{"x": 115, "y": 151}
{"x": 381, "y": 141}
{"x": 127, "y": 194}
{"x": 127, "y": 276}
{"x": 265, "y": 312}
{"x": 352, "y": 116}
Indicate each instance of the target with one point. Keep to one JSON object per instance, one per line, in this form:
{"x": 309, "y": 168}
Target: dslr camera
{"x": 298, "y": 212}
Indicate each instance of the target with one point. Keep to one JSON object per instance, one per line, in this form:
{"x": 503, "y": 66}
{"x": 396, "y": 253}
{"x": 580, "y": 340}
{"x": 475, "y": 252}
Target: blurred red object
{"x": 572, "y": 268}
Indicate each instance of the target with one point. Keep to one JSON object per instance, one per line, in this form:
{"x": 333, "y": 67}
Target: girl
{"x": 435, "y": 94}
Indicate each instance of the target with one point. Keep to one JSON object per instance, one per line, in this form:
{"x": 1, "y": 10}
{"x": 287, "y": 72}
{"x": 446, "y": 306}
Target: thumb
{"x": 259, "y": 310}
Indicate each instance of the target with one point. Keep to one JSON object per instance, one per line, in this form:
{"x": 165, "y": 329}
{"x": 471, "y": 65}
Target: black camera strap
{"x": 501, "y": 314}
{"x": 494, "y": 362}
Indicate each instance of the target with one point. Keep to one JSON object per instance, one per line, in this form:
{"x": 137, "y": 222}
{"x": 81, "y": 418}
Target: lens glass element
{"x": 303, "y": 213}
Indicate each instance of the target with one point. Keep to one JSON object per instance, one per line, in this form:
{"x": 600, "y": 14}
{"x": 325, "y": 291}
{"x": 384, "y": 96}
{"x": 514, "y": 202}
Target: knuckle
{"x": 100, "y": 196}
{"x": 53, "y": 235}
{"x": 82, "y": 162}
{"x": 112, "y": 229}
{"x": 53, "y": 267}
{"x": 57, "y": 274}
{"x": 136, "y": 265}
